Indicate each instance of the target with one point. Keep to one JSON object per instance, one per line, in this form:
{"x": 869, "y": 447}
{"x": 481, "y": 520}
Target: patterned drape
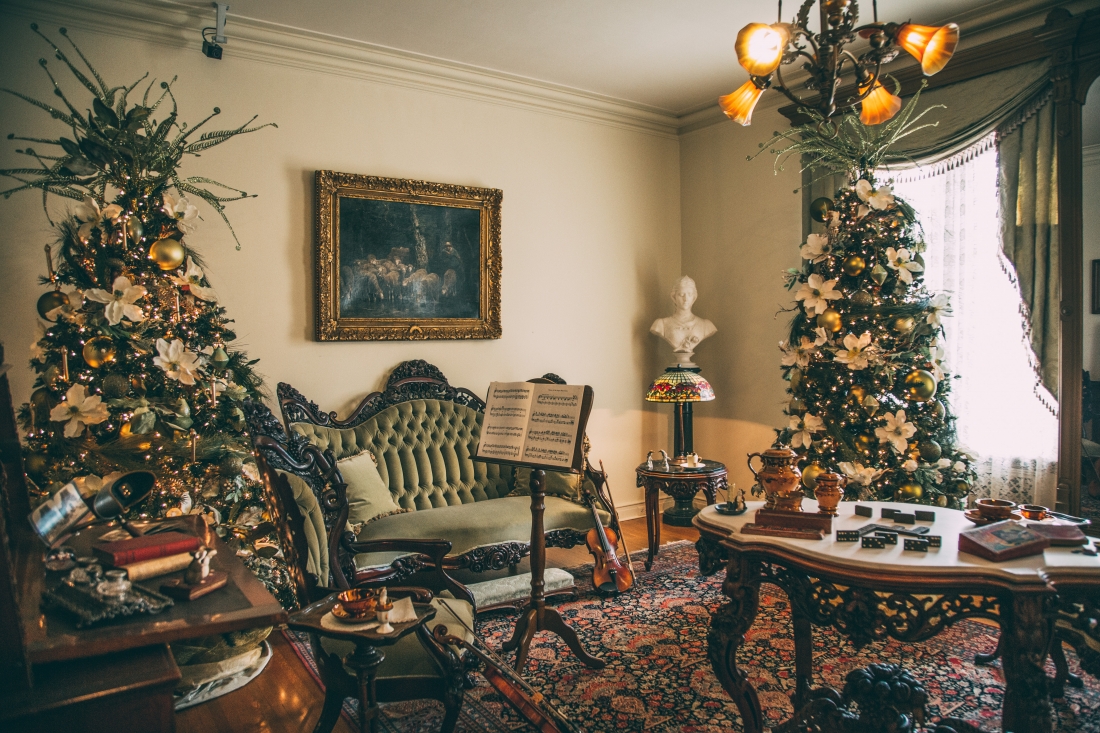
{"x": 1027, "y": 183}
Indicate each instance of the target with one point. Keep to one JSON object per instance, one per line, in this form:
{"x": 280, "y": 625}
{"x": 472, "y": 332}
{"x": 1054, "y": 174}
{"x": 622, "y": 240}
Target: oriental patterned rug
{"x": 658, "y": 679}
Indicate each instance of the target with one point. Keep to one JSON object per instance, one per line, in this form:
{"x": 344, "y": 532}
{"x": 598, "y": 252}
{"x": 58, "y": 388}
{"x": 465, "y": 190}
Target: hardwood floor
{"x": 285, "y": 697}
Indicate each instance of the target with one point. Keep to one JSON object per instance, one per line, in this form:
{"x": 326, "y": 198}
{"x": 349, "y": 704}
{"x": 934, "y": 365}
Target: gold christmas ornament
{"x": 820, "y": 208}
{"x": 796, "y": 378}
{"x": 864, "y": 443}
{"x": 960, "y": 487}
{"x": 230, "y": 466}
{"x": 862, "y": 298}
{"x": 40, "y": 399}
{"x": 930, "y": 451}
{"x": 115, "y": 386}
{"x": 878, "y": 274}
{"x": 810, "y": 474}
{"x": 830, "y": 320}
{"x": 35, "y": 463}
{"x": 99, "y": 351}
{"x": 936, "y": 410}
{"x": 134, "y": 228}
{"x": 796, "y": 406}
{"x": 909, "y": 491}
{"x": 51, "y": 300}
{"x": 854, "y": 265}
{"x": 168, "y": 253}
{"x": 941, "y": 500}
{"x": 53, "y": 376}
{"x": 857, "y": 393}
{"x": 920, "y": 386}
{"x": 871, "y": 405}
{"x": 903, "y": 324}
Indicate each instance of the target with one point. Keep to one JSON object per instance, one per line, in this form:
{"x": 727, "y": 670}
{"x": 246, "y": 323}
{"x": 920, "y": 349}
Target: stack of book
{"x": 150, "y": 555}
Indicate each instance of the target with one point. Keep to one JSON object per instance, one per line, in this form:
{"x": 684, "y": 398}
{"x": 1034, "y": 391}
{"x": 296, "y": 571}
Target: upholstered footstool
{"x": 514, "y": 591}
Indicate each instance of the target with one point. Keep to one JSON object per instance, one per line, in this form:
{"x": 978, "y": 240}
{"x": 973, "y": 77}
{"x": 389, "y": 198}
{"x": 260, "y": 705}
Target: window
{"x": 1004, "y": 419}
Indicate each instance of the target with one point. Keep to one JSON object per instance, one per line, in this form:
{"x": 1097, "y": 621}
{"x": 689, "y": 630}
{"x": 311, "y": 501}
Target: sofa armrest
{"x": 425, "y": 555}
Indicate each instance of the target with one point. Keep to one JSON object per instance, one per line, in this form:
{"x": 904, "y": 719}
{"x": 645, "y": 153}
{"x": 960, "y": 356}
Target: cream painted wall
{"x": 741, "y": 227}
{"x": 591, "y": 226}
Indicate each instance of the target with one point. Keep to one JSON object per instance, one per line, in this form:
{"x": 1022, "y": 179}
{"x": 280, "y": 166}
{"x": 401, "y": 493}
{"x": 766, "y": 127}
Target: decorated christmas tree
{"x": 869, "y": 397}
{"x": 135, "y": 364}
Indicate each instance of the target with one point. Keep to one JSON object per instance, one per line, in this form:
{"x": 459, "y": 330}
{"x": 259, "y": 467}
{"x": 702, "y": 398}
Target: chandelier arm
{"x": 782, "y": 87}
{"x": 803, "y": 17}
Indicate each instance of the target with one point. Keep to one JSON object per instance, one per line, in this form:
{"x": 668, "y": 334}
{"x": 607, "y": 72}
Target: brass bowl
{"x": 1033, "y": 512}
{"x": 995, "y": 508}
{"x": 358, "y": 601}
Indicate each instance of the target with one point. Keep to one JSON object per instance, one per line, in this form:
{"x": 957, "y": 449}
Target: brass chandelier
{"x": 764, "y": 49}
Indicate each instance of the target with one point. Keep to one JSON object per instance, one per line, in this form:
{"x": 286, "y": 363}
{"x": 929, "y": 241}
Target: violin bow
{"x": 615, "y": 514}
{"x": 530, "y": 703}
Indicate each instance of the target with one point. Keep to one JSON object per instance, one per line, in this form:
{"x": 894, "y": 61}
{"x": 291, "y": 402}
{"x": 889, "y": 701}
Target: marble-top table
{"x": 869, "y": 594}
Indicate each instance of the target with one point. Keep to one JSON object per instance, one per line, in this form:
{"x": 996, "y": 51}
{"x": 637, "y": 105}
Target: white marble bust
{"x": 683, "y": 330}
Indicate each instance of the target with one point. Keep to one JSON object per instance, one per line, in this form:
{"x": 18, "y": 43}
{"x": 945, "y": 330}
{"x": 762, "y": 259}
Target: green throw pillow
{"x": 565, "y": 485}
{"x": 368, "y": 494}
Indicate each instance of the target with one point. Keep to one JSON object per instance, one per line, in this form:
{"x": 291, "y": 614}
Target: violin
{"x": 526, "y": 700}
{"x": 609, "y": 575}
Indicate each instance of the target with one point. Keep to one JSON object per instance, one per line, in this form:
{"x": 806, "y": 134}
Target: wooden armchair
{"x": 301, "y": 491}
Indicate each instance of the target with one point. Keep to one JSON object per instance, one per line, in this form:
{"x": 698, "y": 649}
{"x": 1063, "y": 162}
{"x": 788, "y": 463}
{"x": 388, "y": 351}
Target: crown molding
{"x": 179, "y": 26}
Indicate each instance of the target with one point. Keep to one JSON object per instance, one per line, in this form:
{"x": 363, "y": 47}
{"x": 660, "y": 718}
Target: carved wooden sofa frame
{"x": 418, "y": 380}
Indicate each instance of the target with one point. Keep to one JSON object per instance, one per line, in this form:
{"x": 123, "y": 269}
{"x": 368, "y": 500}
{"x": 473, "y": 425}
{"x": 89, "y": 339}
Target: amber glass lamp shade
{"x": 682, "y": 387}
{"x": 932, "y": 45}
{"x": 739, "y": 105}
{"x": 878, "y": 106}
{"x": 760, "y": 47}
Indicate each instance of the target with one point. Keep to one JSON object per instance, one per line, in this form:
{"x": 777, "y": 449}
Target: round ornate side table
{"x": 682, "y": 484}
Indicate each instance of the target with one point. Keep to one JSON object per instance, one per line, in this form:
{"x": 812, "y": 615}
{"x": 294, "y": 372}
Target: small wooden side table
{"x": 682, "y": 484}
{"x": 366, "y": 658}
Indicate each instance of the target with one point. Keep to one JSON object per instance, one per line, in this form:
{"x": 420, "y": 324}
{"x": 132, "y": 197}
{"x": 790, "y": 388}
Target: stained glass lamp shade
{"x": 682, "y": 387}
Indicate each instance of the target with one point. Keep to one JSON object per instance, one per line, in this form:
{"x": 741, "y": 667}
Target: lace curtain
{"x": 1002, "y": 418}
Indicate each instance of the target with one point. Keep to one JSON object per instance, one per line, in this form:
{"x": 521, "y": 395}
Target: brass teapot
{"x": 780, "y": 478}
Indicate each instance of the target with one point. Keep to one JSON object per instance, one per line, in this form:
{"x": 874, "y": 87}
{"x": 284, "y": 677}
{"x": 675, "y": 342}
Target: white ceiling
{"x": 671, "y": 55}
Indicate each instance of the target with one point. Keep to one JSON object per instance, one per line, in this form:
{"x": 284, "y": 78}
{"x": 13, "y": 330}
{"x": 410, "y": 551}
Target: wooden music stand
{"x": 538, "y": 617}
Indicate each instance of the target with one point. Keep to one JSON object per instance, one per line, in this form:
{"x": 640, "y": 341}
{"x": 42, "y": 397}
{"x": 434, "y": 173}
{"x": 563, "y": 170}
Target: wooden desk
{"x": 871, "y": 594}
{"x": 52, "y": 635}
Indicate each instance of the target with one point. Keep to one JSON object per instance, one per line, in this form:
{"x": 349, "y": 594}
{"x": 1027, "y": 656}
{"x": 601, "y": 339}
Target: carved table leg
{"x": 727, "y": 634}
{"x": 984, "y": 659}
{"x": 711, "y": 555}
{"x": 365, "y": 660}
{"x": 652, "y": 521}
{"x": 1025, "y": 641}
{"x": 803, "y": 657}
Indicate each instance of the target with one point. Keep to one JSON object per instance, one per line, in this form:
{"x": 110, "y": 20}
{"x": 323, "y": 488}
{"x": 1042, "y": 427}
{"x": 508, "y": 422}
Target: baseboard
{"x": 636, "y": 509}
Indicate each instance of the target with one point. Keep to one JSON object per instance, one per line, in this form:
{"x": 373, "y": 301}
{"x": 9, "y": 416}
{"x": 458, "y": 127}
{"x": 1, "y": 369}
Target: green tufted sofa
{"x": 421, "y": 433}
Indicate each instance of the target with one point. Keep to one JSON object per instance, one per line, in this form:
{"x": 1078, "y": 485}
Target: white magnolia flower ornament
{"x": 176, "y": 361}
{"x": 190, "y": 280}
{"x": 859, "y": 474}
{"x": 183, "y": 211}
{"x": 877, "y": 198}
{"x": 121, "y": 302}
{"x": 798, "y": 355}
{"x": 897, "y": 430}
{"x": 822, "y": 336}
{"x": 833, "y": 221}
{"x": 38, "y": 353}
{"x": 943, "y": 463}
{"x": 70, "y": 312}
{"x": 79, "y": 409}
{"x": 804, "y": 427}
{"x": 817, "y": 248}
{"x": 909, "y": 466}
{"x": 857, "y": 351}
{"x": 816, "y": 293}
{"x": 91, "y": 216}
{"x": 938, "y": 308}
{"x": 901, "y": 260}
{"x": 91, "y": 484}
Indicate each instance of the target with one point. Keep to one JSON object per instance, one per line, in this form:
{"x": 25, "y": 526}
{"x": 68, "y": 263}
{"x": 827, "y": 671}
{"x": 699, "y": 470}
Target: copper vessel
{"x": 780, "y": 478}
{"x": 828, "y": 490}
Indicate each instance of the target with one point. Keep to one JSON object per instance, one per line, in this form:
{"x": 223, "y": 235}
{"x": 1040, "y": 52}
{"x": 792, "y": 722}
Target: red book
{"x": 147, "y": 547}
{"x": 1002, "y": 541}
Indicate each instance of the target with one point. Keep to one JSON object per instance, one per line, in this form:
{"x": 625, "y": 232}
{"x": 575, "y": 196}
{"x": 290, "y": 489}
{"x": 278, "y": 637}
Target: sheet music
{"x": 532, "y": 423}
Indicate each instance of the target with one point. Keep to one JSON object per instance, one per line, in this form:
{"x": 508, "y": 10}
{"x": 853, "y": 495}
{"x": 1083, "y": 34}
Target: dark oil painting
{"x": 406, "y": 260}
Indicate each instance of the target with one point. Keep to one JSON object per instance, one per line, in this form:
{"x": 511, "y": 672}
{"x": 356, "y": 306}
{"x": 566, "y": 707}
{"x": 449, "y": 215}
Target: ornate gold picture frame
{"x": 399, "y": 260}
